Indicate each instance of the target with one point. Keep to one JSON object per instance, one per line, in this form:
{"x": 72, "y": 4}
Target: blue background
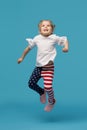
{"x": 20, "y": 108}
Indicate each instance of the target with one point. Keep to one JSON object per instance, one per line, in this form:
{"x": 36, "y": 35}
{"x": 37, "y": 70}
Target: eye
{"x": 43, "y": 25}
{"x": 48, "y": 25}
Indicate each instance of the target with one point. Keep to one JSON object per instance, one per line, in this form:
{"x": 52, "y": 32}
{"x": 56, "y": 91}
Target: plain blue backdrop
{"x": 20, "y": 108}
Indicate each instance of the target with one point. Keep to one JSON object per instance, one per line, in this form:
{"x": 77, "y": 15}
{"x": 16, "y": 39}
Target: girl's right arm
{"x": 27, "y": 49}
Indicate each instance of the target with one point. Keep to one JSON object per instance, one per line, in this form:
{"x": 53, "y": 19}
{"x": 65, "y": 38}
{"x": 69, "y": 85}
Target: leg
{"x": 36, "y": 75}
{"x": 47, "y": 73}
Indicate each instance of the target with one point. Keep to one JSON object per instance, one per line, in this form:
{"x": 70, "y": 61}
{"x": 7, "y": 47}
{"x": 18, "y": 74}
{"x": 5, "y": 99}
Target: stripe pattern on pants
{"x": 47, "y": 74}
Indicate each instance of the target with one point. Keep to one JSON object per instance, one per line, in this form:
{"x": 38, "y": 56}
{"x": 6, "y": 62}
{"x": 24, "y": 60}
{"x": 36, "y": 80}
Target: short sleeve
{"x": 31, "y": 42}
{"x": 61, "y": 40}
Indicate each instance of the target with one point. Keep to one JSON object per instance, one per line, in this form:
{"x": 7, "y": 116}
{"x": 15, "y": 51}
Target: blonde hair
{"x": 51, "y": 23}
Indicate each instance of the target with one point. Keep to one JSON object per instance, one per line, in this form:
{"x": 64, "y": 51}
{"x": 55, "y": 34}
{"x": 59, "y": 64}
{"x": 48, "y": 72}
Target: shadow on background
{"x": 29, "y": 111}
{"x": 66, "y": 114}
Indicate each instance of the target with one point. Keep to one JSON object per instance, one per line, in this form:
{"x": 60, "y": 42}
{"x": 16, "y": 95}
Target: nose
{"x": 45, "y": 26}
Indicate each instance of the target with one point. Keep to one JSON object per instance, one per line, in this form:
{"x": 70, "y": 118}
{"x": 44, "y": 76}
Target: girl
{"x": 46, "y": 52}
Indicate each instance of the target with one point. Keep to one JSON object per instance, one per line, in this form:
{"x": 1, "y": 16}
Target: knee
{"x": 30, "y": 84}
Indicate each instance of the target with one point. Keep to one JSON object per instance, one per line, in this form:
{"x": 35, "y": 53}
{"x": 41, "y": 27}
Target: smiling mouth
{"x": 45, "y": 30}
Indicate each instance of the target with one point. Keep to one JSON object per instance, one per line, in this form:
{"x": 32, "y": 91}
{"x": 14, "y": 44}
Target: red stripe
{"x": 50, "y": 88}
{"x": 47, "y": 73}
{"x": 48, "y": 83}
{"x": 48, "y": 80}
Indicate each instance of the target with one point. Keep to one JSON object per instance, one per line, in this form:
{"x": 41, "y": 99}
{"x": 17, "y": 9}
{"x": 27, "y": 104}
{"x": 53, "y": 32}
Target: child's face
{"x": 46, "y": 28}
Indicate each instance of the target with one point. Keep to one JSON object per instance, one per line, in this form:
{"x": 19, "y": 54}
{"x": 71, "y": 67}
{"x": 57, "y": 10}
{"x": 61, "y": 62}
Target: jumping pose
{"x": 44, "y": 68}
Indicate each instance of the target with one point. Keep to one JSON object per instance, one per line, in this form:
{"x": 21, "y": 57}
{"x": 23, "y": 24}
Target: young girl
{"x": 46, "y": 52}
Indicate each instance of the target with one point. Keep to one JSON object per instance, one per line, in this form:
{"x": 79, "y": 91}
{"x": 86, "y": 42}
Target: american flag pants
{"x": 47, "y": 73}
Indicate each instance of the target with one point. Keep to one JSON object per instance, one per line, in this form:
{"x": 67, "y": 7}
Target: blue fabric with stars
{"x": 34, "y": 78}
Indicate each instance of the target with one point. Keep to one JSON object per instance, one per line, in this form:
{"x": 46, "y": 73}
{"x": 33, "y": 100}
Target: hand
{"x": 65, "y": 49}
{"x": 20, "y": 60}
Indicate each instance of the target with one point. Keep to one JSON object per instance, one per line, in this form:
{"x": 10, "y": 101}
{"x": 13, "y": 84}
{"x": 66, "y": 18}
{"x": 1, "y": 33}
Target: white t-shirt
{"x": 46, "y": 47}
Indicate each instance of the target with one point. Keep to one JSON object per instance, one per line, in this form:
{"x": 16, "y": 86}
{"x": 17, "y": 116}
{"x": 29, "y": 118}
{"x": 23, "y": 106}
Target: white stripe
{"x": 47, "y": 81}
{"x": 48, "y": 78}
{"x": 47, "y": 71}
{"x": 46, "y": 74}
{"x": 47, "y": 86}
